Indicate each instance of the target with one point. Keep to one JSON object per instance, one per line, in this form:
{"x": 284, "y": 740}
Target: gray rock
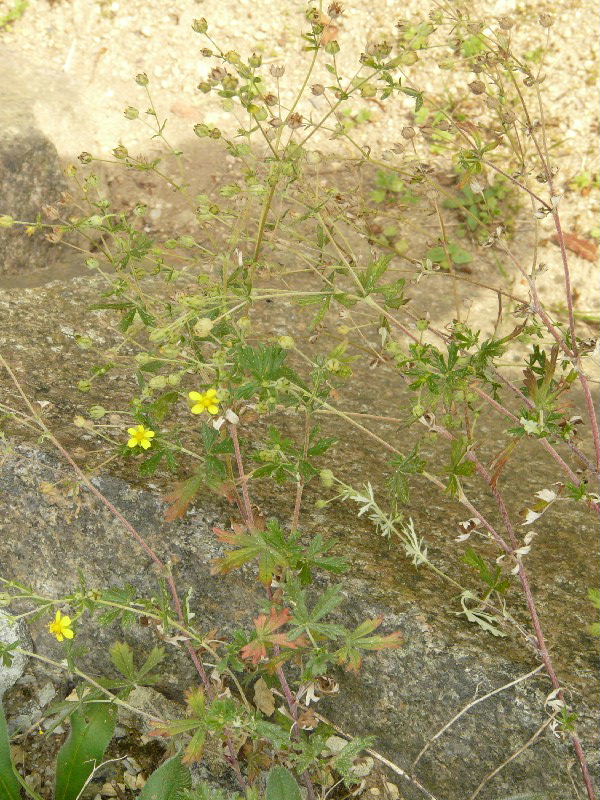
{"x": 11, "y": 632}
{"x": 30, "y": 176}
{"x": 402, "y": 697}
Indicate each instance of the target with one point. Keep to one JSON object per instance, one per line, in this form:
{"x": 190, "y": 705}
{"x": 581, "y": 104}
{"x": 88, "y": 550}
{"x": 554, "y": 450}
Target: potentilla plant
{"x": 283, "y": 230}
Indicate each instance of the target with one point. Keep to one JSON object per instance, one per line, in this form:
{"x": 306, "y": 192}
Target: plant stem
{"x": 242, "y": 476}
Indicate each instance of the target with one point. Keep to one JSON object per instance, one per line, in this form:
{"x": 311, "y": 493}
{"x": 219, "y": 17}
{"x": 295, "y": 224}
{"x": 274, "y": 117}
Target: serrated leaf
{"x": 181, "y": 497}
{"x": 281, "y": 785}
{"x": 92, "y": 728}
{"x": 155, "y": 656}
{"x": 121, "y": 656}
{"x": 168, "y": 781}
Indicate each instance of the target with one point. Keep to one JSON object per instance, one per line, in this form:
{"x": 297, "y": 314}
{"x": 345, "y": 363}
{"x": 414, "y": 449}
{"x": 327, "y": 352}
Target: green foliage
{"x": 9, "y": 785}
{"x": 480, "y": 209}
{"x": 281, "y": 785}
{"x": 122, "y": 656}
{"x": 14, "y": 13}
{"x": 449, "y": 254}
{"x": 92, "y": 727}
{"x": 594, "y": 598}
{"x": 492, "y": 576}
{"x": 168, "y": 782}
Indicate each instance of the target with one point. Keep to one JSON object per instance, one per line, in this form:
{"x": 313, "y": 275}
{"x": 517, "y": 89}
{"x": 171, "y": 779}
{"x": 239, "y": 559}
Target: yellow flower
{"x": 205, "y": 401}
{"x": 61, "y": 627}
{"x": 140, "y": 436}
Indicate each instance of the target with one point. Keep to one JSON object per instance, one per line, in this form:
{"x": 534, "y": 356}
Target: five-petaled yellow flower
{"x": 205, "y": 401}
{"x": 140, "y": 436}
{"x": 61, "y": 627}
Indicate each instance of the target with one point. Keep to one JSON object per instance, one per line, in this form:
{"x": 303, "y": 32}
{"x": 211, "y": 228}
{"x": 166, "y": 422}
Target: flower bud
{"x": 141, "y": 79}
{"x": 286, "y": 342}
{"x": 327, "y": 478}
{"x": 131, "y": 113}
{"x": 203, "y": 327}
{"x": 85, "y": 157}
{"x": 186, "y": 241}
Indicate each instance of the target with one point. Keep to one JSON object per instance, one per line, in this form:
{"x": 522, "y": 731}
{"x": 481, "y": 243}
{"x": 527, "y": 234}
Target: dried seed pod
{"x": 477, "y": 87}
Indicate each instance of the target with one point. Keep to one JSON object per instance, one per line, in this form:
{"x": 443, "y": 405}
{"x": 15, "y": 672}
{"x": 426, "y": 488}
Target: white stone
{"x": 9, "y": 633}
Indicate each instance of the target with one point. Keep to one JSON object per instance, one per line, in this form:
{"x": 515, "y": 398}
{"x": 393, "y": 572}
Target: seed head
{"x": 200, "y": 25}
{"x": 335, "y": 9}
{"x": 506, "y": 23}
{"x": 546, "y": 20}
{"x": 477, "y": 87}
{"x": 277, "y": 70}
{"x": 409, "y": 132}
{"x": 317, "y": 89}
{"x": 294, "y": 121}
{"x": 217, "y": 74}
{"x": 85, "y": 157}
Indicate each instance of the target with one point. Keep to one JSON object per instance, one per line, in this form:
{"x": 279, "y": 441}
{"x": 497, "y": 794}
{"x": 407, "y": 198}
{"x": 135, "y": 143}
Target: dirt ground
{"x": 79, "y": 59}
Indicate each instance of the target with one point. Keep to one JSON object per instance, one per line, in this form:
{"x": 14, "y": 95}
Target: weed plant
{"x": 208, "y": 371}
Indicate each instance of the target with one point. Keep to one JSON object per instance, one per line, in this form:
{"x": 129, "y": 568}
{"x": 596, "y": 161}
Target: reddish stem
{"x": 242, "y": 475}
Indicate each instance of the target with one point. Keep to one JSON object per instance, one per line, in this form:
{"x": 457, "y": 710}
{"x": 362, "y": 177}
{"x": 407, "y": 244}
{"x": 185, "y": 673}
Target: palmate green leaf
{"x": 412, "y": 464}
{"x": 361, "y": 639}
{"x": 168, "y": 782}
{"x": 281, "y": 785}
{"x": 369, "y": 278}
{"x": 121, "y": 656}
{"x": 269, "y": 547}
{"x": 92, "y": 728}
{"x": 491, "y": 576}
{"x": 310, "y": 621}
{"x": 9, "y": 785}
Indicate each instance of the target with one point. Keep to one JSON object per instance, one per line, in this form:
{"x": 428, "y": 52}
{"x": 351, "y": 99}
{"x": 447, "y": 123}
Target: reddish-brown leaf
{"x": 584, "y": 248}
{"x": 181, "y": 497}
